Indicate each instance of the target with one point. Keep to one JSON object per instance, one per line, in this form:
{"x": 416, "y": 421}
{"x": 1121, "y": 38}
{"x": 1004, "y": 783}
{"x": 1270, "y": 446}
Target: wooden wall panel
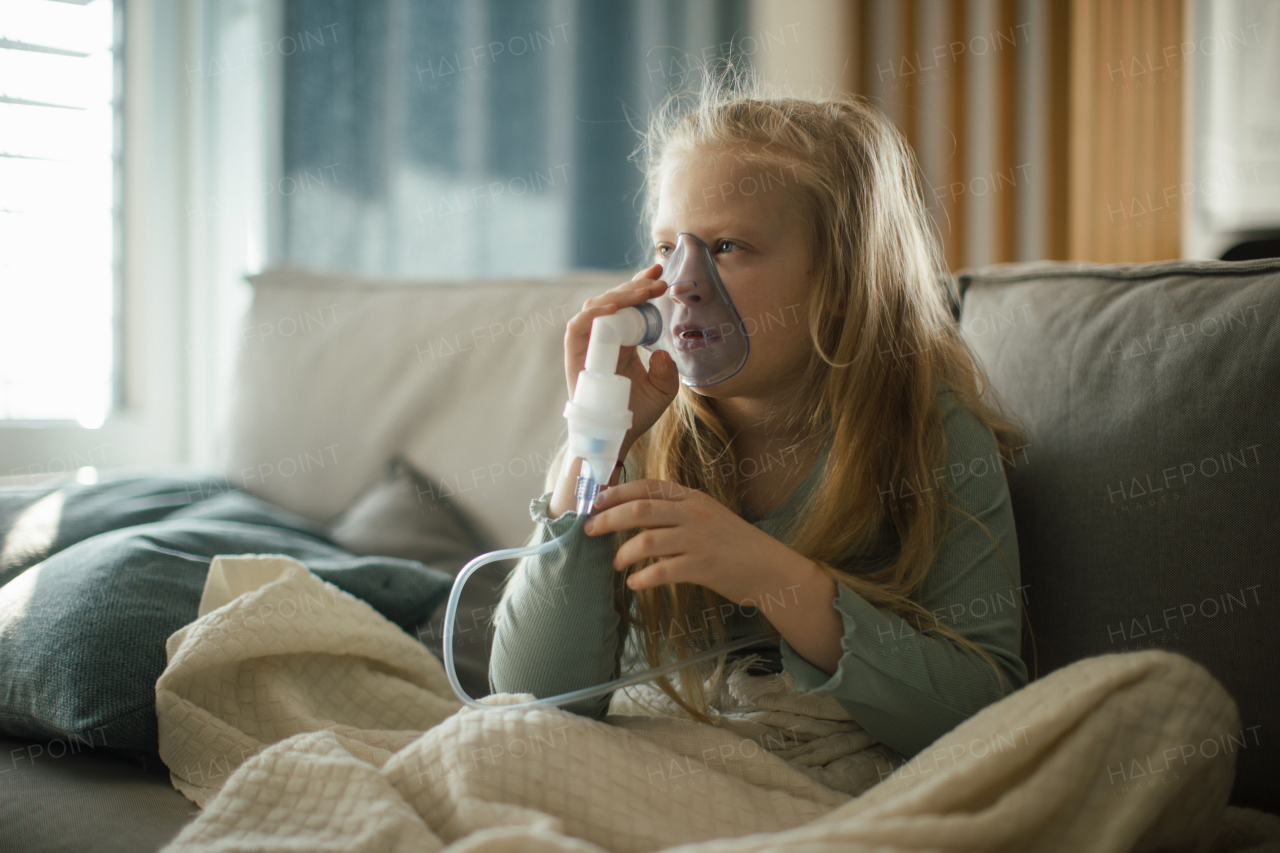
{"x": 1109, "y": 106}
{"x": 1126, "y": 131}
{"x": 1005, "y": 195}
{"x": 1057, "y": 45}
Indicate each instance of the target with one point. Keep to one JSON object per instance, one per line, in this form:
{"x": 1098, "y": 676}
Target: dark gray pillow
{"x": 1146, "y": 501}
{"x": 404, "y": 515}
{"x": 85, "y": 612}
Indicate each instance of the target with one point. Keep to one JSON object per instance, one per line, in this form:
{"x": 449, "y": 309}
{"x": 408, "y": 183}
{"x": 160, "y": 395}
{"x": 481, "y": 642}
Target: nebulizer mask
{"x": 696, "y": 323}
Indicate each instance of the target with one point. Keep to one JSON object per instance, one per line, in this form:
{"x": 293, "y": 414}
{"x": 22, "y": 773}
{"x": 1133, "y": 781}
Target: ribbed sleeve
{"x": 556, "y": 629}
{"x": 907, "y": 688}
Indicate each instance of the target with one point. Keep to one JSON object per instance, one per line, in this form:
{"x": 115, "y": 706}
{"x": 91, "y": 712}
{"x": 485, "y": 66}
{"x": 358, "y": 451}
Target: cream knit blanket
{"x": 299, "y": 718}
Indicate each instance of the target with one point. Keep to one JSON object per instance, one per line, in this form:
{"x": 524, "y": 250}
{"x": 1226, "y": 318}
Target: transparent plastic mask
{"x": 700, "y": 328}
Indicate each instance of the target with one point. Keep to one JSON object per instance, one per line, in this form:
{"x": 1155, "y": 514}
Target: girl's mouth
{"x": 693, "y": 337}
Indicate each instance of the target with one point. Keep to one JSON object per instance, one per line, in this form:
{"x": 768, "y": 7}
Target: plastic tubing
{"x": 587, "y": 491}
{"x": 451, "y": 612}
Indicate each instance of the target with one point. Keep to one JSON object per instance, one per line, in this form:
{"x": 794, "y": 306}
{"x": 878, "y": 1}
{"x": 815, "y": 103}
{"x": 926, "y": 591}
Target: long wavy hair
{"x": 881, "y": 325}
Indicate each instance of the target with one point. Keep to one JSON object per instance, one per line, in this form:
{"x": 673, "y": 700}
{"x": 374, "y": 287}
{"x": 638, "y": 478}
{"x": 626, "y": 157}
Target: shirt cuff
{"x": 807, "y": 677}
{"x": 539, "y": 511}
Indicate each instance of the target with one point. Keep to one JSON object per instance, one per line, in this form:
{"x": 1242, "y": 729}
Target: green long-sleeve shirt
{"x": 556, "y": 629}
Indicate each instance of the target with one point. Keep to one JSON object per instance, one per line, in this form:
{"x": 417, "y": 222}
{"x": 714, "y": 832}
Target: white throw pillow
{"x": 338, "y": 373}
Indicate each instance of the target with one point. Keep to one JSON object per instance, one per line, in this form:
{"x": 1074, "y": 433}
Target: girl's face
{"x": 755, "y": 224}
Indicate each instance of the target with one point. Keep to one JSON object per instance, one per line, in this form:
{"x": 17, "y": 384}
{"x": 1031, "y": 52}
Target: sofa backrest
{"x": 337, "y": 374}
{"x": 1146, "y": 499}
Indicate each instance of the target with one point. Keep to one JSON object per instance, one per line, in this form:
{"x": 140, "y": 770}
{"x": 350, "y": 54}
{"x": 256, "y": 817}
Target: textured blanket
{"x": 299, "y": 718}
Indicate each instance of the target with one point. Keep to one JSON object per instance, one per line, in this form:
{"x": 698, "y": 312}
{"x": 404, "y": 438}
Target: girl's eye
{"x": 662, "y": 251}
{"x": 720, "y": 247}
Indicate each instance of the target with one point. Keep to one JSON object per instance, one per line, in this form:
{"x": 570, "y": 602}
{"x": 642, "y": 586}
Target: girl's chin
{"x": 746, "y": 383}
{"x": 737, "y": 385}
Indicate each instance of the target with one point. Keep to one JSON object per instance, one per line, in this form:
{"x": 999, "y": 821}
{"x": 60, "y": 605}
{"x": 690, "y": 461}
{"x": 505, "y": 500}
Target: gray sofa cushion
{"x": 1146, "y": 501}
{"x": 406, "y": 515}
{"x": 68, "y": 796}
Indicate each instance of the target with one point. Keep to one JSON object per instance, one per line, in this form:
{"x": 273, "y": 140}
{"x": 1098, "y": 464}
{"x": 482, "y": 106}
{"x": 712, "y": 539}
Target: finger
{"x": 652, "y": 272}
{"x": 632, "y": 514}
{"x": 638, "y": 490}
{"x": 660, "y": 542}
{"x": 625, "y": 295}
{"x": 671, "y": 570}
{"x": 577, "y": 335}
{"x": 641, "y": 284}
{"x": 641, "y": 289}
{"x": 663, "y": 375}
{"x": 580, "y": 324}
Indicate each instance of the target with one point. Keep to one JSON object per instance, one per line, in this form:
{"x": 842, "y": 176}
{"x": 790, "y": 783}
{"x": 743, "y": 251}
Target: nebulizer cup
{"x": 696, "y": 323}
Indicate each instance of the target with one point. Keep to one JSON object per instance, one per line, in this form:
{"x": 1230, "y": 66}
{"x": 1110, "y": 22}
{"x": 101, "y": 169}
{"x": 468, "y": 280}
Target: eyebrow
{"x": 728, "y": 227}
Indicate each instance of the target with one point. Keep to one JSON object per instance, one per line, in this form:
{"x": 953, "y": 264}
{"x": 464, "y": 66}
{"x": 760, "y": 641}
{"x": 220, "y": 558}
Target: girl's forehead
{"x": 689, "y": 163}
{"x": 720, "y": 185}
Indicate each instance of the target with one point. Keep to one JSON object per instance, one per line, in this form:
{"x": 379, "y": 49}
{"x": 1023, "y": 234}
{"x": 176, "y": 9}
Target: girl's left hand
{"x": 696, "y": 540}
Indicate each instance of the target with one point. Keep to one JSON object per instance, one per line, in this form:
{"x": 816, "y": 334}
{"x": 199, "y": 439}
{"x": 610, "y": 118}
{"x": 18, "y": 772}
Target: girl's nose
{"x": 686, "y": 293}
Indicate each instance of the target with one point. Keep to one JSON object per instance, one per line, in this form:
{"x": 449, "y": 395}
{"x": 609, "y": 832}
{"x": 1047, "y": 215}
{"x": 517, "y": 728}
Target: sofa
{"x": 417, "y": 421}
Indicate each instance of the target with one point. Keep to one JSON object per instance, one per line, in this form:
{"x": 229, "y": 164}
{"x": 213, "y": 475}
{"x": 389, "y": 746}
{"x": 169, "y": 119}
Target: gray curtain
{"x": 445, "y": 138}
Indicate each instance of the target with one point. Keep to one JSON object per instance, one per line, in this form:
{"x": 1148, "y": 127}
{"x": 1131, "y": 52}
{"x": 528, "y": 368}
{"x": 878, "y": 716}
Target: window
{"x": 59, "y": 211}
{"x": 463, "y": 138}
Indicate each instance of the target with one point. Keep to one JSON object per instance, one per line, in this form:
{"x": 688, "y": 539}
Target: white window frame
{"x": 181, "y": 293}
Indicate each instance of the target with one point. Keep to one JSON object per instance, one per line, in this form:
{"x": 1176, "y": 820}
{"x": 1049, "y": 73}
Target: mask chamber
{"x": 695, "y": 321}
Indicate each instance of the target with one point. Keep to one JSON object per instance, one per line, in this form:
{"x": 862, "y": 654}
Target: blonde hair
{"x": 880, "y": 321}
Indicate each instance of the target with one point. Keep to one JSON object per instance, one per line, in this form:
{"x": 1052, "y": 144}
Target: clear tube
{"x": 587, "y": 491}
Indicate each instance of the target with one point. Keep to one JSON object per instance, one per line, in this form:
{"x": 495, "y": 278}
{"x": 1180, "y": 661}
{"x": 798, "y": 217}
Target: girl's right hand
{"x": 652, "y": 390}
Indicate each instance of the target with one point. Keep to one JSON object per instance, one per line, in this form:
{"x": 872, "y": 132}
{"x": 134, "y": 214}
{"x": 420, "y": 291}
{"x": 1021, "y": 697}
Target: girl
{"x": 844, "y": 488}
